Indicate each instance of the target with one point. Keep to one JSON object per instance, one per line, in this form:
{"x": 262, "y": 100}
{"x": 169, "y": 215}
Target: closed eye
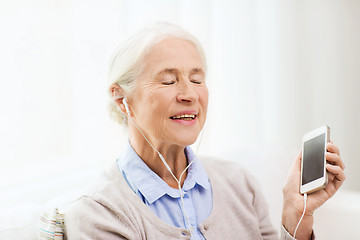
{"x": 196, "y": 77}
{"x": 168, "y": 83}
{"x": 196, "y": 81}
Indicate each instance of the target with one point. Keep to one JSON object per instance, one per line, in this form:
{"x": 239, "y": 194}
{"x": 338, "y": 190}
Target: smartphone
{"x": 313, "y": 163}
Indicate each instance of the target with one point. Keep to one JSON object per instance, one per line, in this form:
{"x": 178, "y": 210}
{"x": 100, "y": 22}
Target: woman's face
{"x": 170, "y": 99}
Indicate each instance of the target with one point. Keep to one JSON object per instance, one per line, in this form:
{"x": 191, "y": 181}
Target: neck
{"x": 174, "y": 156}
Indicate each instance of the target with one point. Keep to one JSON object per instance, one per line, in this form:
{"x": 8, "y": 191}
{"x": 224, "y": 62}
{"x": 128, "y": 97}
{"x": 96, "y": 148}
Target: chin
{"x": 186, "y": 141}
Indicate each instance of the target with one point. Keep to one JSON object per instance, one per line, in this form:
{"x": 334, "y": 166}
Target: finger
{"x": 299, "y": 155}
{"x": 330, "y": 147}
{"x": 337, "y": 172}
{"x": 293, "y": 179}
{"x": 330, "y": 177}
{"x": 332, "y": 186}
{"x": 335, "y": 159}
{"x": 297, "y": 163}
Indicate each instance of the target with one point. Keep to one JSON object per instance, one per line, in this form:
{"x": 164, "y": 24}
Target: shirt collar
{"x": 141, "y": 178}
{"x": 196, "y": 172}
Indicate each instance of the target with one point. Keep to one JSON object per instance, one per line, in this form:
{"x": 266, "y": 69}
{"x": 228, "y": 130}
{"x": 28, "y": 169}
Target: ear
{"x": 118, "y": 94}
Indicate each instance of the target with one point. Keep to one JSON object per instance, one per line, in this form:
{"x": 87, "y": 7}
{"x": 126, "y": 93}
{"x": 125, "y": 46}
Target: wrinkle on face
{"x": 154, "y": 101}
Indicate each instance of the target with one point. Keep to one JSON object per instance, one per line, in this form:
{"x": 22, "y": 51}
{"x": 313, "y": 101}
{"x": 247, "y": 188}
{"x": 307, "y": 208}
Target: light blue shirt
{"x": 165, "y": 201}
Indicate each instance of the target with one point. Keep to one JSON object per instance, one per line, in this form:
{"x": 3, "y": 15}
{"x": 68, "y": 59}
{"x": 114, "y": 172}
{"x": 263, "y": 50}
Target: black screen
{"x": 313, "y": 165}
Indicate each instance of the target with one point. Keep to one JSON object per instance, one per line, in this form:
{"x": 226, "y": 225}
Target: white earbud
{"x": 116, "y": 97}
{"x": 126, "y": 106}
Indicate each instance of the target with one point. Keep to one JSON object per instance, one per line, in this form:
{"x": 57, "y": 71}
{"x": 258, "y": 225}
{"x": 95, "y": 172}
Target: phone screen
{"x": 313, "y": 162}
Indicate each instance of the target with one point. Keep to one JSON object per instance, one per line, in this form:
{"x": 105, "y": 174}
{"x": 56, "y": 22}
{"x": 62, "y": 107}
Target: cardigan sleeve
{"x": 285, "y": 235}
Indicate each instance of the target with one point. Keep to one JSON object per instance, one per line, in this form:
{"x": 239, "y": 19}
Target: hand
{"x": 294, "y": 201}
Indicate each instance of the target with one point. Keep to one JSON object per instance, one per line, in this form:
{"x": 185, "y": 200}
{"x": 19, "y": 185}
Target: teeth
{"x": 184, "y": 116}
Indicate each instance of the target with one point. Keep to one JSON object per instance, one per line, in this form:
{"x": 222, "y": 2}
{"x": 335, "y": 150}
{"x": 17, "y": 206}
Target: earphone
{"x": 164, "y": 162}
{"x": 126, "y": 107}
{"x": 116, "y": 97}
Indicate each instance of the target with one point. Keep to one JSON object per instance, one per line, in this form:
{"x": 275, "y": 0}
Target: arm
{"x": 293, "y": 200}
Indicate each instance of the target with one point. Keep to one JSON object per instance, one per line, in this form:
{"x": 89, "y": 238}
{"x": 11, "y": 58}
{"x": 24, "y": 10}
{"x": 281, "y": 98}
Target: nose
{"x": 187, "y": 92}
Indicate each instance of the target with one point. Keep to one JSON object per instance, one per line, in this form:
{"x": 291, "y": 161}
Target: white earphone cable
{"x": 167, "y": 167}
{"x": 302, "y": 216}
{"x": 201, "y": 136}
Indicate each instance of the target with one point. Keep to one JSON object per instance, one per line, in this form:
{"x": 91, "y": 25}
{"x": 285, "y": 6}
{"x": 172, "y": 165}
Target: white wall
{"x": 277, "y": 69}
{"x": 319, "y": 80}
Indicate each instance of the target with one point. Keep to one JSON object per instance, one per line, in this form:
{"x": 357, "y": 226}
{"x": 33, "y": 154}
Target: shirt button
{"x": 206, "y": 227}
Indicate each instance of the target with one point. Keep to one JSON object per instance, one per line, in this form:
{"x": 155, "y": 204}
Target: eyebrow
{"x": 197, "y": 70}
{"x": 175, "y": 71}
{"x": 166, "y": 70}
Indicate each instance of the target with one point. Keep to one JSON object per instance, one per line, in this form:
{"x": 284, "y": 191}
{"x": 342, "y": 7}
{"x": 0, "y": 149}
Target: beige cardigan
{"x": 113, "y": 211}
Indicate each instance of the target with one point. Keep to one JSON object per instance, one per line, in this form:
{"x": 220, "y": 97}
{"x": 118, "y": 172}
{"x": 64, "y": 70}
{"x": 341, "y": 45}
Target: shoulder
{"x": 108, "y": 188}
{"x": 106, "y": 208}
{"x": 87, "y": 218}
{"x": 79, "y": 210}
{"x": 230, "y": 178}
{"x": 220, "y": 164}
{"x": 227, "y": 170}
{"x": 234, "y": 187}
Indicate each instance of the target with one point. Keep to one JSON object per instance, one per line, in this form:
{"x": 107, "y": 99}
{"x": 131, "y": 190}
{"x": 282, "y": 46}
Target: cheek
{"x": 155, "y": 92}
{"x": 204, "y": 98}
{"x": 161, "y": 101}
{"x": 144, "y": 105}
{"x": 157, "y": 102}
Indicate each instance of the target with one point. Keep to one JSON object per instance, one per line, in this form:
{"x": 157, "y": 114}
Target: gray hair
{"x": 126, "y": 62}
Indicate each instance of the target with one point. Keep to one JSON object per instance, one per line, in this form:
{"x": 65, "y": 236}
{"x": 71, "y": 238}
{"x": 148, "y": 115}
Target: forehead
{"x": 172, "y": 53}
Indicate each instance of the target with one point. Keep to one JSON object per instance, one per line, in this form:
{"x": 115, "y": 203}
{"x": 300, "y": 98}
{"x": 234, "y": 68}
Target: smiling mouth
{"x": 185, "y": 117}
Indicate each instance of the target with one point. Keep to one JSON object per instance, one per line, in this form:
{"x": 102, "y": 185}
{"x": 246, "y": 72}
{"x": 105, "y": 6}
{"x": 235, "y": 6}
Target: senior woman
{"x": 158, "y": 188}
